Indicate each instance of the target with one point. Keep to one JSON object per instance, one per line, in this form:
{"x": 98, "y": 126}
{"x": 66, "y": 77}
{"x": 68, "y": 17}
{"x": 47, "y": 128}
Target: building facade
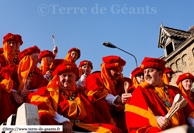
{"x": 178, "y": 48}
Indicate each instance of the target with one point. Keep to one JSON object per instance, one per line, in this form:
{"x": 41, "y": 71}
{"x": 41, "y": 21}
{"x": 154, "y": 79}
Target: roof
{"x": 191, "y": 30}
{"x": 174, "y": 33}
{"x": 177, "y": 33}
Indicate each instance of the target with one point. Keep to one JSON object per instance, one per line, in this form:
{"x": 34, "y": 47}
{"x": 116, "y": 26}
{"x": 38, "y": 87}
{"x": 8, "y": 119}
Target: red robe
{"x": 8, "y": 105}
{"x": 6, "y": 100}
{"x": 79, "y": 109}
{"x": 37, "y": 81}
{"x": 4, "y": 63}
{"x": 131, "y": 89}
{"x": 192, "y": 104}
{"x": 141, "y": 110}
{"x": 96, "y": 94}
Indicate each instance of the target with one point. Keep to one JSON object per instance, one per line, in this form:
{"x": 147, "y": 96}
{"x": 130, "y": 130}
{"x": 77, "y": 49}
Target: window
{"x": 169, "y": 48}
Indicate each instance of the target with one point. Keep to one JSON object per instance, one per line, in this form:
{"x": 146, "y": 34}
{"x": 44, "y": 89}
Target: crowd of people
{"x": 83, "y": 101}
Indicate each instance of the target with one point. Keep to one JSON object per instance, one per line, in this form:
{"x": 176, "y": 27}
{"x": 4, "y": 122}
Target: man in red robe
{"x": 151, "y": 101}
{"x": 11, "y": 49}
{"x": 85, "y": 68}
{"x": 137, "y": 77}
{"x": 46, "y": 57}
{"x": 73, "y": 55}
{"x": 106, "y": 91}
{"x": 184, "y": 83}
{"x": 9, "y": 55}
{"x": 27, "y": 75}
{"x": 60, "y": 103}
{"x": 167, "y": 75}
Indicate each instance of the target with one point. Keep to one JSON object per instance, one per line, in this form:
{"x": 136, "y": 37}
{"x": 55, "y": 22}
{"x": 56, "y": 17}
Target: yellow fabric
{"x": 82, "y": 111}
{"x": 51, "y": 65}
{"x": 67, "y": 58}
{"x": 107, "y": 81}
{"x": 144, "y": 113}
{"x": 165, "y": 79}
{"x": 7, "y": 55}
{"x": 92, "y": 128}
{"x": 74, "y": 106}
{"x": 175, "y": 119}
{"x": 99, "y": 94}
{"x": 24, "y": 68}
{"x": 53, "y": 88}
{"x": 44, "y": 67}
{"x": 187, "y": 94}
{"x": 139, "y": 130}
{"x": 7, "y": 84}
{"x": 38, "y": 98}
{"x": 144, "y": 84}
{"x": 72, "y": 113}
{"x": 135, "y": 83}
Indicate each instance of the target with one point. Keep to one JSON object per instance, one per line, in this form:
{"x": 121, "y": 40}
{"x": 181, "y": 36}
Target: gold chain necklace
{"x": 15, "y": 58}
{"x": 72, "y": 98}
{"x": 166, "y": 102}
{"x": 30, "y": 75}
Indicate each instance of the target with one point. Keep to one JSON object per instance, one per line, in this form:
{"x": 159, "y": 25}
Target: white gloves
{"x": 81, "y": 81}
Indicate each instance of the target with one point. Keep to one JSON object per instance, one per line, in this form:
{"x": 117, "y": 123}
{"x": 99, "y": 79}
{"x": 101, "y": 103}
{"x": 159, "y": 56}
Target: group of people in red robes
{"x": 83, "y": 101}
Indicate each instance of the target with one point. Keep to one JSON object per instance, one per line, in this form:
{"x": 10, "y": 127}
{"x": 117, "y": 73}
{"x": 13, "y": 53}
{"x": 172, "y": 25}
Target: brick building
{"x": 178, "y": 48}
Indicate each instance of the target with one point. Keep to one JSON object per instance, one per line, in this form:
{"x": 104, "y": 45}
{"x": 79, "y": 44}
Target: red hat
{"x": 18, "y": 39}
{"x": 45, "y": 53}
{"x": 29, "y": 51}
{"x": 153, "y": 63}
{"x": 65, "y": 67}
{"x": 84, "y": 62}
{"x": 113, "y": 61}
{"x": 9, "y": 37}
{"x": 77, "y": 50}
{"x": 136, "y": 71}
{"x": 168, "y": 70}
{"x": 184, "y": 76}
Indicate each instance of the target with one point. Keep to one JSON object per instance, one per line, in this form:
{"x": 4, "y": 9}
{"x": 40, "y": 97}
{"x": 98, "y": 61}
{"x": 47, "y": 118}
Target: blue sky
{"x": 132, "y": 25}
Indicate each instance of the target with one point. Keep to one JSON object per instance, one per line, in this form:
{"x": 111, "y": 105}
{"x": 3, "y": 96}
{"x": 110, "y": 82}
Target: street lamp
{"x": 110, "y": 45}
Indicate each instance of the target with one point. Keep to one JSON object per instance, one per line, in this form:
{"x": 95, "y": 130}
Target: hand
{"x": 26, "y": 83}
{"x": 83, "y": 77}
{"x": 118, "y": 100}
{"x": 125, "y": 97}
{"x": 55, "y": 50}
{"x": 162, "y": 121}
{"x": 67, "y": 127}
{"x": 24, "y": 93}
{"x": 17, "y": 98}
{"x": 48, "y": 74}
